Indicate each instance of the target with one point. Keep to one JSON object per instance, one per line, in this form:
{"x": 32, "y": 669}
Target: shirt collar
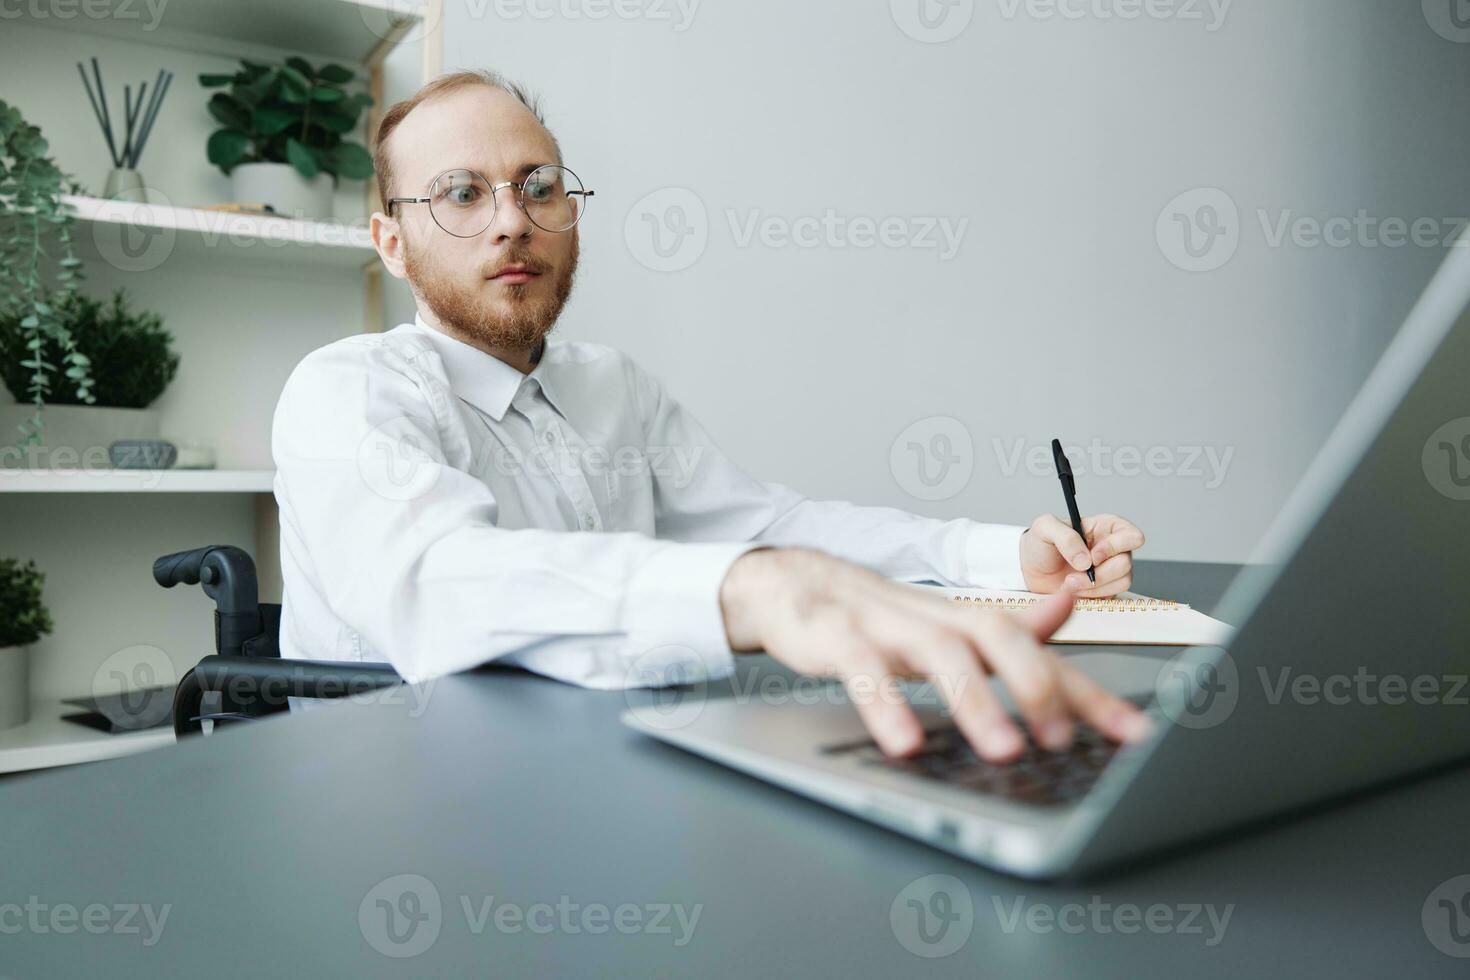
{"x": 482, "y": 379}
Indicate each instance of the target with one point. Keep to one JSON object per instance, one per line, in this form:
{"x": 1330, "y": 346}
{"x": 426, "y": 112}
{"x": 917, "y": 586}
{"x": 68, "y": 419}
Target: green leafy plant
{"x": 291, "y": 113}
{"x": 33, "y": 217}
{"x": 130, "y": 352}
{"x": 24, "y": 618}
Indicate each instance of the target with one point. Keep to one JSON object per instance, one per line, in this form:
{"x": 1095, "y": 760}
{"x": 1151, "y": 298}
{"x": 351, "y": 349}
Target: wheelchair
{"x": 246, "y": 679}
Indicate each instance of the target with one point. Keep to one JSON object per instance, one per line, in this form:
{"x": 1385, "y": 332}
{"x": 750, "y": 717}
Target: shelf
{"x": 136, "y": 481}
{"x": 344, "y": 30}
{"x": 46, "y": 740}
{"x": 138, "y": 237}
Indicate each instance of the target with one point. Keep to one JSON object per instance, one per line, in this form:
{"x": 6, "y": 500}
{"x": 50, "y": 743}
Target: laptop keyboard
{"x": 1039, "y": 777}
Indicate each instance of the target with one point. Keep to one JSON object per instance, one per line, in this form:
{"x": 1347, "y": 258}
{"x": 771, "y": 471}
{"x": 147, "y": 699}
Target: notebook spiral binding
{"x": 1140, "y": 604}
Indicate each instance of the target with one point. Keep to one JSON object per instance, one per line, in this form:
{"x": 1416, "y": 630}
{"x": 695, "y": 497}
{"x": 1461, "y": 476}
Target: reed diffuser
{"x": 124, "y": 180}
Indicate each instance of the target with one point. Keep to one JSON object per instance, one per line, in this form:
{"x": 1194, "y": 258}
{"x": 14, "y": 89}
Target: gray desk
{"x": 265, "y": 844}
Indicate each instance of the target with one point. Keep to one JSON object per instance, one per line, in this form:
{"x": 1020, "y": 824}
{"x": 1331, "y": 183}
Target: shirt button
{"x": 588, "y": 521}
{"x": 550, "y": 437}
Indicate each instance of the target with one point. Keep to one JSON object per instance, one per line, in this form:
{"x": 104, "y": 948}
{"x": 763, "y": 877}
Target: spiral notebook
{"x": 1126, "y": 620}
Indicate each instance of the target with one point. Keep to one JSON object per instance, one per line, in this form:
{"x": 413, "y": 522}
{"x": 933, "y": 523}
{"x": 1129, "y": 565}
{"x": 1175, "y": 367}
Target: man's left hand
{"x": 1053, "y": 555}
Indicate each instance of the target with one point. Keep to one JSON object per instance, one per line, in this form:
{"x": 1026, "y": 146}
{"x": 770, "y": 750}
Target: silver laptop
{"x": 1347, "y": 670}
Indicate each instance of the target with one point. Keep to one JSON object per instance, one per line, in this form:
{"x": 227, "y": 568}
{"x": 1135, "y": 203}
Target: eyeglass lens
{"x": 463, "y": 205}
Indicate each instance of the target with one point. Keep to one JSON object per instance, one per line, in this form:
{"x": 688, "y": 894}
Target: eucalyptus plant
{"x": 289, "y": 113}
{"x": 35, "y": 230}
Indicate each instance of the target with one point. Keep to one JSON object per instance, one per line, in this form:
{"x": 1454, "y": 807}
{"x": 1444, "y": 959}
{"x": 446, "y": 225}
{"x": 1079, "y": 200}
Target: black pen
{"x": 1069, "y": 490}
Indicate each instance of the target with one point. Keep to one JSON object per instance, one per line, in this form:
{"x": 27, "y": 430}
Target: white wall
{"x": 1060, "y": 142}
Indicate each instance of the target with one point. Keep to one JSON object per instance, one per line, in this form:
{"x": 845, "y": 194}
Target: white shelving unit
{"x": 361, "y": 31}
{"x": 48, "y": 739}
{"x": 226, "y": 236}
{"x": 136, "y": 481}
{"x": 112, "y": 520}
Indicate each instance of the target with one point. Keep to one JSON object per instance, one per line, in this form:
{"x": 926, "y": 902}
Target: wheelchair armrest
{"x": 261, "y": 685}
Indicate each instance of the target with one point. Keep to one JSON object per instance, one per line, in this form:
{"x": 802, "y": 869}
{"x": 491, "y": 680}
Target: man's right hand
{"x": 823, "y": 616}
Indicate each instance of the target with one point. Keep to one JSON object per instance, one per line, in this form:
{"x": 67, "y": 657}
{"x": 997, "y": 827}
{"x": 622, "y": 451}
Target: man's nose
{"x": 510, "y": 220}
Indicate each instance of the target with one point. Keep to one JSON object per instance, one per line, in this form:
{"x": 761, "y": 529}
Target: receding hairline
{"x": 442, "y": 86}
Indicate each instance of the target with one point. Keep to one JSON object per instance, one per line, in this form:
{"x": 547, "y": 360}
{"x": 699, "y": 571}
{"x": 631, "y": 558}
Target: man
{"x": 462, "y": 489}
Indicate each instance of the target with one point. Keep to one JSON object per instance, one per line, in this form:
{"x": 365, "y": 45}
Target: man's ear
{"x": 388, "y": 240}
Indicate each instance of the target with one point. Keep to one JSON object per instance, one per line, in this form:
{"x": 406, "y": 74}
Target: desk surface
{"x": 504, "y": 791}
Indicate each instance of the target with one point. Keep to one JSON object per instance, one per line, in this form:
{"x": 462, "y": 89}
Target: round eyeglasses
{"x": 463, "y": 203}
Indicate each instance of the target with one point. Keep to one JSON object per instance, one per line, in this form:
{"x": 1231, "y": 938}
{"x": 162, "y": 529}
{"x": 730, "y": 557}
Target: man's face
{"x": 505, "y": 287}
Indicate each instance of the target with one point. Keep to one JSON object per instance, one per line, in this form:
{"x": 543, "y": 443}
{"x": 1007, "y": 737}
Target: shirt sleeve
{"x": 404, "y": 549}
{"x": 713, "y": 499}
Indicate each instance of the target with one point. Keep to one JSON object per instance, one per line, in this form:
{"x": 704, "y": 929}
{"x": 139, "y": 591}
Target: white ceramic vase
{"x": 15, "y": 686}
{"x": 286, "y": 191}
{"x": 72, "y": 436}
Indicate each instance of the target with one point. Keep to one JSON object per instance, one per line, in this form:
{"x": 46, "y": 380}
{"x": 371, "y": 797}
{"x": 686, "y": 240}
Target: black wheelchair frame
{"x": 246, "y": 678}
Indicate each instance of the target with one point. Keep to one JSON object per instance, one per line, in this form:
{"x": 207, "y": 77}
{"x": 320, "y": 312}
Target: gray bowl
{"x": 142, "y": 454}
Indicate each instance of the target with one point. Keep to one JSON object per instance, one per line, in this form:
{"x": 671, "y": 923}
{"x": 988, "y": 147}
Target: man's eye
{"x": 462, "y": 195}
{"x": 539, "y": 191}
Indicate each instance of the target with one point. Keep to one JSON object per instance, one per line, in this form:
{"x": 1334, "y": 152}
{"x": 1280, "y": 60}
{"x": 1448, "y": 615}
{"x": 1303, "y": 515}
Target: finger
{"x": 955, "y": 669}
{"x": 1030, "y": 674}
{"x": 1101, "y": 525}
{"x": 1114, "y": 717}
{"x": 1068, "y": 542}
{"x": 945, "y": 657}
{"x": 1042, "y": 619}
{"x": 1121, "y": 540}
{"x": 874, "y": 691}
{"x": 1113, "y": 576}
{"x": 1010, "y": 646}
{"x": 1047, "y": 616}
{"x": 1109, "y": 575}
{"x": 1119, "y": 579}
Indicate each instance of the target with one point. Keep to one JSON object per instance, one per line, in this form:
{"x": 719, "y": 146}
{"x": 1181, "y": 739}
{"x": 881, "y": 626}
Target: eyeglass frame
{"x": 495, "y": 189}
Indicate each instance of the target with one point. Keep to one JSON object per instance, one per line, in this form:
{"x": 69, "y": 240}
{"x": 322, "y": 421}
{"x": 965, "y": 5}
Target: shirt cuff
{"x": 993, "y": 557}
{"x": 672, "y": 617}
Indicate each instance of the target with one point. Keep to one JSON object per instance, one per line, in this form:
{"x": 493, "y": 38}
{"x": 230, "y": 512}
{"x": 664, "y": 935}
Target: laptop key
{"x": 1039, "y": 777}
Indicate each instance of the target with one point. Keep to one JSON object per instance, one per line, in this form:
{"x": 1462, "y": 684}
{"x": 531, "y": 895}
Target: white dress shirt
{"x": 440, "y": 510}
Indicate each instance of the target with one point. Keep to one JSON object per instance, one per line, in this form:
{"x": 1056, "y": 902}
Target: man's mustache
{"x": 527, "y": 262}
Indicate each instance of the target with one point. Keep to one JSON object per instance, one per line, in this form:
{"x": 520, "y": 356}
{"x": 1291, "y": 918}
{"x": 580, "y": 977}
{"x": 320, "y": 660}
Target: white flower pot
{"x": 15, "y": 687}
{"x": 285, "y": 190}
{"x": 72, "y": 436}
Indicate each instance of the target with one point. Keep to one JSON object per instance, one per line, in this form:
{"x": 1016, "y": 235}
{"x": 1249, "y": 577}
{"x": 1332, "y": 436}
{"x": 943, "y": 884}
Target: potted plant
{"x": 282, "y": 131}
{"x": 33, "y": 219}
{"x": 24, "y": 619}
{"x": 133, "y": 360}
